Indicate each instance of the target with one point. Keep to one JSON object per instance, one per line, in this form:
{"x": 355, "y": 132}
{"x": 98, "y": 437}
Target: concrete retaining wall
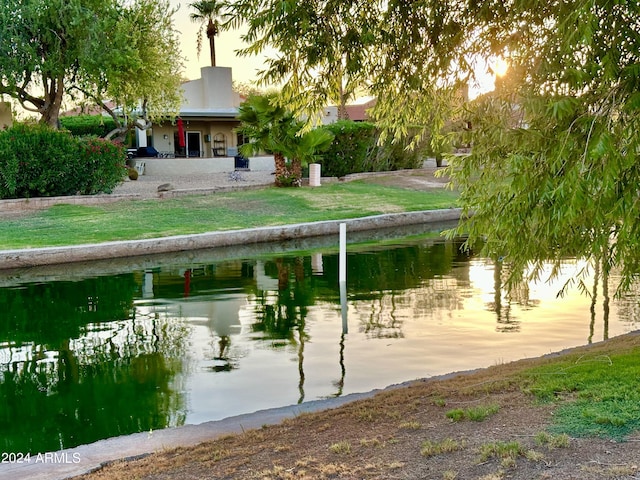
{"x": 190, "y": 166}
{"x": 37, "y": 203}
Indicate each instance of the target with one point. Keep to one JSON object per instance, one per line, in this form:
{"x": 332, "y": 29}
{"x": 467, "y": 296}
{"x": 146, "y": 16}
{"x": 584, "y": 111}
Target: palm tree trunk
{"x": 296, "y": 172}
{"x": 212, "y": 31}
{"x": 281, "y": 167}
{"x": 343, "y": 114}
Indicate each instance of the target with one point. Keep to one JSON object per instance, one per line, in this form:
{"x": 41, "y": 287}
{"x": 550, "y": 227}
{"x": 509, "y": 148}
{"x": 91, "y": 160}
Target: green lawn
{"x": 603, "y": 388}
{"x": 139, "y": 219}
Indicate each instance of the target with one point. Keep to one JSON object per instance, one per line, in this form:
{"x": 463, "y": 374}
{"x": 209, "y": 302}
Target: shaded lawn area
{"x": 140, "y": 219}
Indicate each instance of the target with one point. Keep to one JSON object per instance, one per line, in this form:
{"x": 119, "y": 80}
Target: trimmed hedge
{"x": 37, "y": 161}
{"x": 83, "y": 125}
{"x": 355, "y": 149}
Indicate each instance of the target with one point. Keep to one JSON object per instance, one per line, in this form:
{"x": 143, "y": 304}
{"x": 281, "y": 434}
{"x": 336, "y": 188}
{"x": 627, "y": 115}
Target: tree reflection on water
{"x": 77, "y": 366}
{"x": 112, "y": 355}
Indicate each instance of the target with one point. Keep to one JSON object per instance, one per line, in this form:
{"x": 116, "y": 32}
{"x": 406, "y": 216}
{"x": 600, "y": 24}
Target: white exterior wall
{"x": 192, "y": 92}
{"x": 214, "y": 90}
{"x": 330, "y": 115}
{"x": 190, "y": 166}
{"x": 159, "y": 142}
{"x": 6, "y": 117}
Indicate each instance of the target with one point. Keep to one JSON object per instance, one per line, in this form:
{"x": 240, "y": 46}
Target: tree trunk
{"x": 343, "y": 114}
{"x": 50, "y": 111}
{"x": 296, "y": 172}
{"x": 281, "y": 168}
{"x": 51, "y": 118}
{"x": 212, "y": 31}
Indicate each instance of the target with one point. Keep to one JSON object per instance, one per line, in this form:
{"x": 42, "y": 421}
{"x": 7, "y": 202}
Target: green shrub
{"x": 356, "y": 149}
{"x": 84, "y": 125}
{"x": 351, "y": 147}
{"x": 37, "y": 161}
{"x": 396, "y": 156}
{"x": 103, "y": 163}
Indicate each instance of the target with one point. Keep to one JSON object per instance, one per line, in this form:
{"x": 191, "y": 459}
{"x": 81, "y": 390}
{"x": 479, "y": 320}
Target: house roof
{"x": 357, "y": 111}
{"x": 231, "y": 113}
{"x": 89, "y": 109}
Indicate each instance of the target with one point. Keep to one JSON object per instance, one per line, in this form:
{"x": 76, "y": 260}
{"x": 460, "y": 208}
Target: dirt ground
{"x": 405, "y": 433}
{"x": 420, "y": 179}
{"x": 147, "y": 185}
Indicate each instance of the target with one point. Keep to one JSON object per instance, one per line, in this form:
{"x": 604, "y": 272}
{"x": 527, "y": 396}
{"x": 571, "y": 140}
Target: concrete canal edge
{"x": 32, "y": 257}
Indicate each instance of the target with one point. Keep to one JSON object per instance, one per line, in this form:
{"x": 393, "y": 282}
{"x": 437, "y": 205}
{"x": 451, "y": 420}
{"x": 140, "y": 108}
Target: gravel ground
{"x": 147, "y": 185}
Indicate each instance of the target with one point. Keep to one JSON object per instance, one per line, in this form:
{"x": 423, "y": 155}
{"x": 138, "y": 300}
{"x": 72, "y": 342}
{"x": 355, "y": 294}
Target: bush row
{"x": 85, "y": 125}
{"x": 37, "y": 161}
{"x": 355, "y": 149}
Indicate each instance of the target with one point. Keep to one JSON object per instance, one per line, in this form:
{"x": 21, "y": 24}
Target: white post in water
{"x": 342, "y": 275}
{"x": 343, "y": 253}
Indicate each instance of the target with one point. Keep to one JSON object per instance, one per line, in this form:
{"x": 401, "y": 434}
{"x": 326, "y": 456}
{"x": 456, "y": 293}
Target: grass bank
{"x": 140, "y": 219}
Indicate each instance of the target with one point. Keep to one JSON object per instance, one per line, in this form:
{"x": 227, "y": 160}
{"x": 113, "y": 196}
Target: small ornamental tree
{"x": 271, "y": 128}
{"x": 121, "y": 55}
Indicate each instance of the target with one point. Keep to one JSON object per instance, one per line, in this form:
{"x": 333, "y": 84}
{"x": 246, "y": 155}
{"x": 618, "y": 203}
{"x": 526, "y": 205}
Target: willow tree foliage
{"x": 322, "y": 47}
{"x": 330, "y": 51}
{"x": 554, "y": 168}
{"x": 92, "y": 50}
{"x": 141, "y": 72}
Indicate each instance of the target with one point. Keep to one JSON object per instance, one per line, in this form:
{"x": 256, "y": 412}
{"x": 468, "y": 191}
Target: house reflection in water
{"x": 210, "y": 296}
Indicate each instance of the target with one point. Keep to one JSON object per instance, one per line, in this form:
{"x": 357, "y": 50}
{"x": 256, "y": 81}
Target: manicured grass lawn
{"x": 139, "y": 219}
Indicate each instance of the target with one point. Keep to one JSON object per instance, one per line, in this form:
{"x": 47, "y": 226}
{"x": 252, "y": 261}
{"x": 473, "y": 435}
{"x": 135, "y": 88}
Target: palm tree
{"x": 271, "y": 128}
{"x": 207, "y": 13}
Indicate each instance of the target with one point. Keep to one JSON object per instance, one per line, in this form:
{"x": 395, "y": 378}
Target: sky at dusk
{"x": 244, "y": 69}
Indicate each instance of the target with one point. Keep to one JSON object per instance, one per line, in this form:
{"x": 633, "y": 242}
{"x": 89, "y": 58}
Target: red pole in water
{"x": 187, "y": 283}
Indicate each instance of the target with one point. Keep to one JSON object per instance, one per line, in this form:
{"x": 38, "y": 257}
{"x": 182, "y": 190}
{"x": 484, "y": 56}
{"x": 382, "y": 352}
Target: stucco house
{"x": 209, "y": 115}
{"x": 202, "y": 138}
{"x": 357, "y": 111}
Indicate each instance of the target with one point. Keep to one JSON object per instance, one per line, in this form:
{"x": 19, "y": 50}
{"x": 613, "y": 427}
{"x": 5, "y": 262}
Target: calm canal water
{"x": 99, "y": 350}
